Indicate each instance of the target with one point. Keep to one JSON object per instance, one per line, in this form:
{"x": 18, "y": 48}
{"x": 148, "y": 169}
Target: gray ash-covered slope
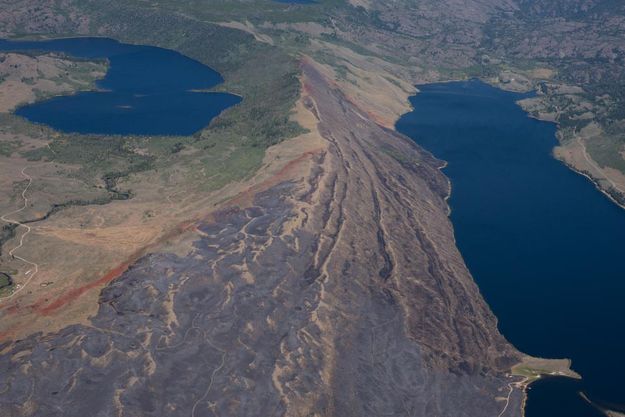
{"x": 337, "y": 294}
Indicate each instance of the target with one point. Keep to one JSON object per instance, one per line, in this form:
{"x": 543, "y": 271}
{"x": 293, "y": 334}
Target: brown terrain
{"x": 325, "y": 283}
{"x": 29, "y": 78}
{"x": 303, "y": 297}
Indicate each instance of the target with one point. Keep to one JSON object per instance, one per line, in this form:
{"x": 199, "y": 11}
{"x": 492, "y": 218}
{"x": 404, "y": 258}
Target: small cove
{"x": 146, "y": 91}
{"x": 544, "y": 246}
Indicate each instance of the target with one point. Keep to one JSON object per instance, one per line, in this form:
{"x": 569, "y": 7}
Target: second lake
{"x": 146, "y": 91}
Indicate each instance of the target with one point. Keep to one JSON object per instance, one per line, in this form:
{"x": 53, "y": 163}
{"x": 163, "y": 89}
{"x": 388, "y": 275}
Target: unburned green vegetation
{"x": 608, "y": 151}
{"x": 8, "y": 147}
{"x": 230, "y": 148}
{"x": 6, "y": 283}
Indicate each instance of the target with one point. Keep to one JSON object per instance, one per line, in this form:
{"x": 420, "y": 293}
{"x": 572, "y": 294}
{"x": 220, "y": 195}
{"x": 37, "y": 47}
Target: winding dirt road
{"x": 35, "y": 267}
{"x": 512, "y": 386}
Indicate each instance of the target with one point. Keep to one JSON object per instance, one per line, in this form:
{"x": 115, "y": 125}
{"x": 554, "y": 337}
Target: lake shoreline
{"x": 513, "y": 205}
{"x": 145, "y": 91}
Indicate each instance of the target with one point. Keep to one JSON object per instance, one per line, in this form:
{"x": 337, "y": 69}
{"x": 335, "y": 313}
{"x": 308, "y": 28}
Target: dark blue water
{"x": 147, "y": 91}
{"x": 545, "y": 247}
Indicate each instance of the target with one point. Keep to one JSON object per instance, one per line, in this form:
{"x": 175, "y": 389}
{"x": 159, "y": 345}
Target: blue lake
{"x": 146, "y": 91}
{"x": 545, "y": 247}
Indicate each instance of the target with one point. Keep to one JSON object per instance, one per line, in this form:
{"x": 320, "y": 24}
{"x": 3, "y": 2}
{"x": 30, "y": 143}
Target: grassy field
{"x": 534, "y": 368}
